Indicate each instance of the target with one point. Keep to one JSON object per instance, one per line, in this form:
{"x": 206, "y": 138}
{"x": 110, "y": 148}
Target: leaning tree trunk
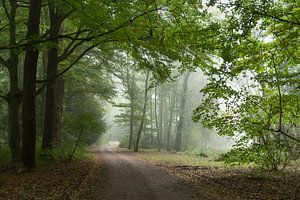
{"x": 181, "y": 112}
{"x": 50, "y": 121}
{"x": 138, "y": 136}
{"x": 29, "y": 87}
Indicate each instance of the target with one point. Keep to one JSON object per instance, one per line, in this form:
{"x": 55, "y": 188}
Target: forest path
{"x": 125, "y": 178}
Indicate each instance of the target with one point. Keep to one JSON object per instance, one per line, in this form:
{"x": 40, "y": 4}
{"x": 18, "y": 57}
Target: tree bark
{"x": 50, "y": 121}
{"x": 130, "y": 82}
{"x": 14, "y": 96}
{"x": 151, "y": 121}
{"x": 156, "y": 120}
{"x": 29, "y": 88}
{"x": 181, "y": 112}
{"x": 60, "y": 92}
{"x": 172, "y": 105}
{"x": 161, "y": 116}
{"x": 138, "y": 136}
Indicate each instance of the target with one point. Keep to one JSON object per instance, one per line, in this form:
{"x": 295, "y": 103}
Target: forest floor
{"x": 217, "y": 181}
{"x": 60, "y": 181}
{"x": 147, "y": 175}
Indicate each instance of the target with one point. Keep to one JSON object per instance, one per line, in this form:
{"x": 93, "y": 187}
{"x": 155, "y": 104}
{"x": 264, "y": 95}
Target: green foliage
{"x": 183, "y": 158}
{"x": 205, "y": 153}
{"x": 124, "y": 142}
{"x": 61, "y": 152}
{"x": 84, "y": 121}
{"x": 253, "y": 89}
{"x": 272, "y": 156}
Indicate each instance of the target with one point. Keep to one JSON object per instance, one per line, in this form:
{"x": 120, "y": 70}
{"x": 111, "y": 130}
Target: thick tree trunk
{"x": 139, "y": 133}
{"x": 50, "y": 121}
{"x": 14, "y": 126}
{"x": 29, "y": 88}
{"x": 181, "y": 112}
{"x": 14, "y": 97}
{"x": 14, "y": 102}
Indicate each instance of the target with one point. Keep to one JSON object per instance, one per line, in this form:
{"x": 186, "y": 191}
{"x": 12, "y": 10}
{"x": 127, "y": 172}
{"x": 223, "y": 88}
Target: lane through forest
{"x": 123, "y": 177}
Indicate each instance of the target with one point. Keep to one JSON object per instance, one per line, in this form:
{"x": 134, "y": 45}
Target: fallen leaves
{"x": 211, "y": 181}
{"x": 68, "y": 180}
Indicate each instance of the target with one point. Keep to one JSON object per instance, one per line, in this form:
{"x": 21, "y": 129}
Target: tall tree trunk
{"x": 172, "y": 105}
{"x": 50, "y": 121}
{"x": 60, "y": 92}
{"x": 156, "y": 119}
{"x": 161, "y": 116}
{"x": 13, "y": 97}
{"x": 181, "y": 112}
{"x": 14, "y": 127}
{"x": 138, "y": 136}
{"x": 130, "y": 82}
{"x": 29, "y": 88}
{"x": 151, "y": 121}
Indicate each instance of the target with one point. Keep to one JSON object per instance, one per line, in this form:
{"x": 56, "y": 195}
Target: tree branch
{"x": 3, "y": 62}
{"x": 48, "y": 81}
{"x": 283, "y": 133}
{"x": 70, "y": 48}
{"x": 5, "y": 9}
{"x": 275, "y": 17}
{"x": 71, "y": 37}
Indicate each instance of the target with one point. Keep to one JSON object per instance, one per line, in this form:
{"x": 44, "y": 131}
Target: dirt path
{"x": 125, "y": 178}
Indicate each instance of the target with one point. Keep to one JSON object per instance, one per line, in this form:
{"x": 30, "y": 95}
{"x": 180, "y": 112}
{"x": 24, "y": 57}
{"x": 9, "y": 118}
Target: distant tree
{"x": 139, "y": 132}
{"x": 181, "y": 112}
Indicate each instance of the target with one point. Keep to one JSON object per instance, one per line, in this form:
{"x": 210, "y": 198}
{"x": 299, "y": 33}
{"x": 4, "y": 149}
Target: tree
{"x": 13, "y": 97}
{"x": 155, "y": 32}
{"x": 138, "y": 135}
{"x": 181, "y": 112}
{"x": 29, "y": 90}
{"x": 253, "y": 91}
{"x": 172, "y": 101}
{"x": 52, "y": 66}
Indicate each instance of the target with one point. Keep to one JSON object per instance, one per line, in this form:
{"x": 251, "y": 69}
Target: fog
{"x": 194, "y": 135}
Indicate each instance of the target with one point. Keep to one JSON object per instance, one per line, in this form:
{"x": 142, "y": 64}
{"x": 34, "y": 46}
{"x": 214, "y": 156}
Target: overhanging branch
{"x": 71, "y": 35}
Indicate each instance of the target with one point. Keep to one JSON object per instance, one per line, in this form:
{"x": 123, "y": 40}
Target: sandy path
{"x": 125, "y": 178}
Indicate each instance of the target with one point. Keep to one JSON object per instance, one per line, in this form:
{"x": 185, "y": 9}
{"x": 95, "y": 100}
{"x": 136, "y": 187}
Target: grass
{"x": 181, "y": 158}
{"x": 59, "y": 154}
